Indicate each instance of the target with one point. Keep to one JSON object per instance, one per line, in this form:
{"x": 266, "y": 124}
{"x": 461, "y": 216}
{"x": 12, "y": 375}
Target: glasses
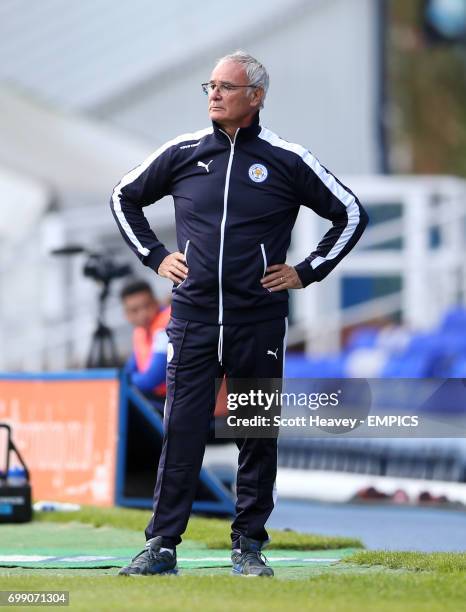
{"x": 224, "y": 88}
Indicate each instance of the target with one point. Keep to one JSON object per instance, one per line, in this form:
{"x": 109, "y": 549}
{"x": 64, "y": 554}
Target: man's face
{"x": 232, "y": 107}
{"x": 140, "y": 309}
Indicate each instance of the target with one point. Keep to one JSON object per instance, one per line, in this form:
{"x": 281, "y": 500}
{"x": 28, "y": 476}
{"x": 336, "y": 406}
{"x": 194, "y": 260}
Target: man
{"x": 147, "y": 363}
{"x": 237, "y": 189}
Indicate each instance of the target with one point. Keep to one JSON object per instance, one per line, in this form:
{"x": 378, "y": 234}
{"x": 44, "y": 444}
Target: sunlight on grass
{"x": 215, "y": 533}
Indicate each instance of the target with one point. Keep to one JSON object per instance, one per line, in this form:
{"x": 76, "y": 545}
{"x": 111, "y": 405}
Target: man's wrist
{"x": 306, "y": 273}
{"x": 155, "y": 257}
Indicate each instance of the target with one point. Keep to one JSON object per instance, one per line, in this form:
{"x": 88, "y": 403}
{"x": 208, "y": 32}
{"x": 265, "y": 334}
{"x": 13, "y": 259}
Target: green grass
{"x": 215, "y": 533}
{"x": 437, "y": 561}
{"x": 381, "y": 591}
{"x": 367, "y": 580}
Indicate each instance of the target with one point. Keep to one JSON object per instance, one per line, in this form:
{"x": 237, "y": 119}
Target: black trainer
{"x": 151, "y": 561}
{"x": 250, "y": 561}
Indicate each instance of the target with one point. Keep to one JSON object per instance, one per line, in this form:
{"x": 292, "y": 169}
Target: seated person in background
{"x": 148, "y": 361}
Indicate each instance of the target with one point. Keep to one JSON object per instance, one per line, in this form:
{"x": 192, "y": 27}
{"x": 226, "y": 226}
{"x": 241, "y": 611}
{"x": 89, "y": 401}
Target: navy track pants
{"x": 252, "y": 350}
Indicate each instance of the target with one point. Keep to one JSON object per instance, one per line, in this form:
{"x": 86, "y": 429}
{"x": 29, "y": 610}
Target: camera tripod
{"x": 102, "y": 352}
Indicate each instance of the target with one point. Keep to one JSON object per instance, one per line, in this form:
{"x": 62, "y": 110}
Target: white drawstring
{"x": 220, "y": 344}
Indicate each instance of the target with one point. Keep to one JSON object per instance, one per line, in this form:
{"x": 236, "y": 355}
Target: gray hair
{"x": 255, "y": 71}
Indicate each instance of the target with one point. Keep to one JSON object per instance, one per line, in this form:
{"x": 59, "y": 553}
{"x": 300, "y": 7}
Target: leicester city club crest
{"x": 258, "y": 173}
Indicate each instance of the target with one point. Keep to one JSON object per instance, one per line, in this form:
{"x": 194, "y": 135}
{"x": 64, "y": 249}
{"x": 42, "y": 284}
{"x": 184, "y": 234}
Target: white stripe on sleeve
{"x": 347, "y": 198}
{"x": 136, "y": 172}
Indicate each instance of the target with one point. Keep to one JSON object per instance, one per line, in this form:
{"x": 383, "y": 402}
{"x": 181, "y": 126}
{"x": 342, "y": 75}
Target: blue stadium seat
{"x": 301, "y": 366}
{"x": 455, "y": 320}
{"x": 411, "y": 365}
{"x": 438, "y": 353}
{"x": 363, "y": 337}
{"x": 458, "y": 368}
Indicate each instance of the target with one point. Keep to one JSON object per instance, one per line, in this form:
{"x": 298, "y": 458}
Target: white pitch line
{"x": 90, "y": 558}
{"x": 24, "y": 558}
{"x": 271, "y": 559}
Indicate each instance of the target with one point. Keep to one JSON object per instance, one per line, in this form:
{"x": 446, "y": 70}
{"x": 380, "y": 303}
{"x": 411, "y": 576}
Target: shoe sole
{"x": 235, "y": 573}
{"x": 172, "y": 572}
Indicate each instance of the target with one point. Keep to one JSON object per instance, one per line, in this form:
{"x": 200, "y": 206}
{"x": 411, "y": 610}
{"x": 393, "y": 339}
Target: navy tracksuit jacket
{"x": 236, "y": 201}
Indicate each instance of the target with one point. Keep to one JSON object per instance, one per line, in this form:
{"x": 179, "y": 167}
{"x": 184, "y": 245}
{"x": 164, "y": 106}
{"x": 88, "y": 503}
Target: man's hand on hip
{"x": 173, "y": 267}
{"x": 280, "y": 276}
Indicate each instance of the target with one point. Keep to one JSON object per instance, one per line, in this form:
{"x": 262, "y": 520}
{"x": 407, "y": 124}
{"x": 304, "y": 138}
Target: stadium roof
{"x": 79, "y": 55}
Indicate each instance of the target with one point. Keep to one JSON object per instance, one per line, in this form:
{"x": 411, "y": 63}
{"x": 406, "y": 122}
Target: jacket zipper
{"x": 222, "y": 239}
{"x": 186, "y": 260}
{"x": 222, "y": 225}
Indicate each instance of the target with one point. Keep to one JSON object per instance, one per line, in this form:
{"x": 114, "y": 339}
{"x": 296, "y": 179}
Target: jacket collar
{"x": 244, "y": 133}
